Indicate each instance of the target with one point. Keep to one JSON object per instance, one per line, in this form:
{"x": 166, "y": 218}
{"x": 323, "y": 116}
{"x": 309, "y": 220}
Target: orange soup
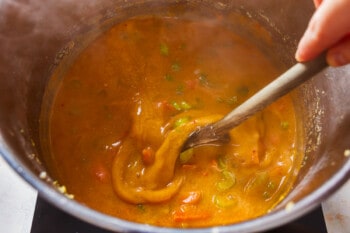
{"x": 127, "y": 103}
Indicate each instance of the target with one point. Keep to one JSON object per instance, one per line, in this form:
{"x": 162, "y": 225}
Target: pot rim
{"x": 265, "y": 222}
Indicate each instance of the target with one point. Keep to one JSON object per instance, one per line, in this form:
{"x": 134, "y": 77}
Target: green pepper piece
{"x": 186, "y": 155}
{"x": 181, "y": 121}
{"x": 285, "y": 124}
{"x": 227, "y": 182}
{"x": 164, "y": 50}
{"x": 225, "y": 201}
{"x": 185, "y": 106}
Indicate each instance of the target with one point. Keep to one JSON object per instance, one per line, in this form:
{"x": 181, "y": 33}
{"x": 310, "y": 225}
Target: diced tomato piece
{"x": 188, "y": 212}
{"x": 166, "y": 108}
{"x": 165, "y": 105}
{"x": 148, "y": 155}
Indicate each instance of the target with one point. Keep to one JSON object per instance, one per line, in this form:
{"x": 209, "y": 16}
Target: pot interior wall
{"x": 36, "y": 36}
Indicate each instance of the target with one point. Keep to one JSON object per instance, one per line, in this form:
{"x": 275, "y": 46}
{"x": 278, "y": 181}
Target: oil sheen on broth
{"x": 129, "y": 100}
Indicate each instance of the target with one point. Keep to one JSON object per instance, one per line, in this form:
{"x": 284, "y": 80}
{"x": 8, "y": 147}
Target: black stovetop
{"x": 48, "y": 219}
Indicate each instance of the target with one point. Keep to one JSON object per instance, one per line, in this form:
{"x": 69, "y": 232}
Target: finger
{"x": 339, "y": 54}
{"x": 327, "y": 26}
{"x": 317, "y": 3}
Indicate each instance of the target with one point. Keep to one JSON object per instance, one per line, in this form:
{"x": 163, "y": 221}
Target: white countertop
{"x": 17, "y": 203}
{"x": 336, "y": 211}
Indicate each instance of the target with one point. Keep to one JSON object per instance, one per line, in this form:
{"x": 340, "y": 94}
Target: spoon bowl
{"x": 217, "y": 133}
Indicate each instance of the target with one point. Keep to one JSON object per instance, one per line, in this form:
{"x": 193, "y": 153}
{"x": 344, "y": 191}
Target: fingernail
{"x": 300, "y": 53}
{"x": 298, "y": 56}
{"x": 336, "y": 59}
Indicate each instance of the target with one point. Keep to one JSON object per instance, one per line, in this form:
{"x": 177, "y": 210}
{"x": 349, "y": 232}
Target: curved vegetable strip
{"x": 138, "y": 194}
{"x": 155, "y": 182}
{"x": 162, "y": 171}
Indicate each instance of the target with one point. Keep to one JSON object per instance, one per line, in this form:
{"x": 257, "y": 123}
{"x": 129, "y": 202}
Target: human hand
{"x": 328, "y": 29}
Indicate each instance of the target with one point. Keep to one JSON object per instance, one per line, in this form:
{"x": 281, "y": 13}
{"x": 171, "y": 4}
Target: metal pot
{"x": 34, "y": 36}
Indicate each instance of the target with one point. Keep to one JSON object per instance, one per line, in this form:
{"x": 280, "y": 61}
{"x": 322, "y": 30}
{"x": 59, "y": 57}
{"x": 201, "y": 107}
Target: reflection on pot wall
{"x": 35, "y": 36}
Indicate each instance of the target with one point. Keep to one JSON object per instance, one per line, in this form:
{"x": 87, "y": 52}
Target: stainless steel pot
{"x": 35, "y": 35}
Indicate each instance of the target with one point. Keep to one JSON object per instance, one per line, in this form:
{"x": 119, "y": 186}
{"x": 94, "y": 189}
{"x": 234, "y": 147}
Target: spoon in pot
{"x": 217, "y": 132}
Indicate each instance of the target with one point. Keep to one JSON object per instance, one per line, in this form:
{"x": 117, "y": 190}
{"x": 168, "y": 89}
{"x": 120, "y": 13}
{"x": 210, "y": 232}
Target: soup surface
{"x": 126, "y": 104}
